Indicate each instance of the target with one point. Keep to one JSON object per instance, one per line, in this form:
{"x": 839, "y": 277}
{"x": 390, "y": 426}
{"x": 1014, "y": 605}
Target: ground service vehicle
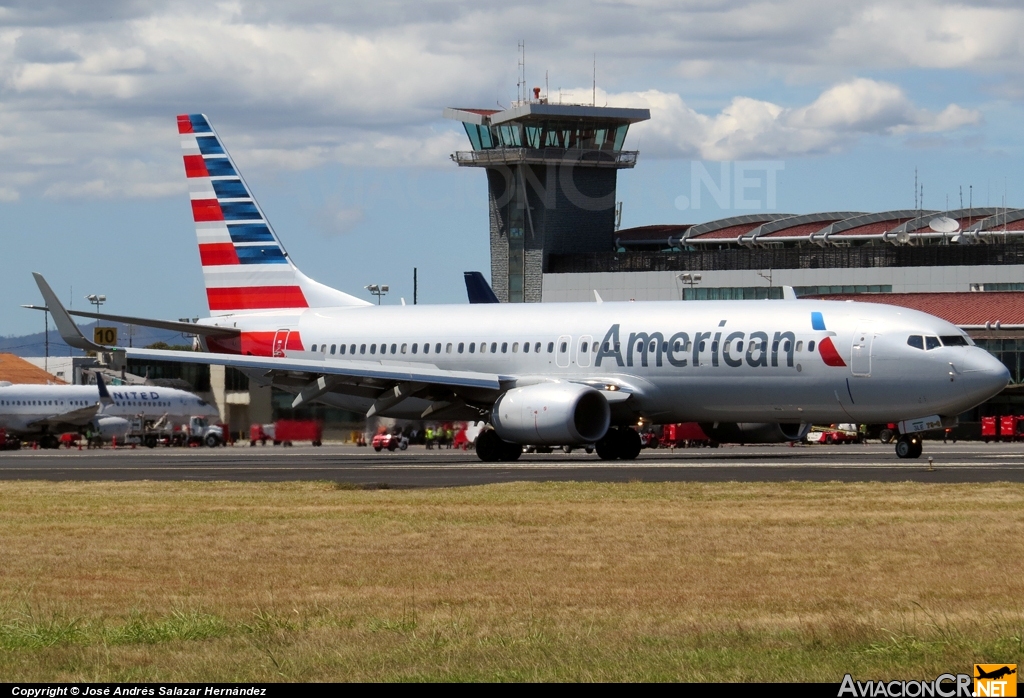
{"x": 7, "y": 442}
{"x": 554, "y": 374}
{"x": 390, "y": 442}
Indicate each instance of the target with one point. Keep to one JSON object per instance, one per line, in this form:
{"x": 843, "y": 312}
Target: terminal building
{"x": 554, "y": 236}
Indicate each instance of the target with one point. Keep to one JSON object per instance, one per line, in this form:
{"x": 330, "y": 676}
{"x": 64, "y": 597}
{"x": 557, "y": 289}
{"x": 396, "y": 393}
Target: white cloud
{"x": 333, "y": 220}
{"x": 749, "y": 128}
{"x": 87, "y": 101}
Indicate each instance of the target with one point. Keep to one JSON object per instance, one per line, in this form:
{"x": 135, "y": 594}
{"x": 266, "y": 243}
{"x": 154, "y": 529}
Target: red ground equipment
{"x": 988, "y": 428}
{"x": 8, "y": 443}
{"x": 288, "y": 430}
{"x": 1008, "y": 427}
{"x": 683, "y": 435}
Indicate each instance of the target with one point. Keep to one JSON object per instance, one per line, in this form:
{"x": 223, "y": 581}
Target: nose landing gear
{"x": 909, "y": 446}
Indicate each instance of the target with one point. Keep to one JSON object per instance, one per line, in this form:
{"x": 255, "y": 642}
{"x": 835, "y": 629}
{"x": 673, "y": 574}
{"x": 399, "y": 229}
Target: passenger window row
{"x": 537, "y": 347}
{"x": 426, "y": 348}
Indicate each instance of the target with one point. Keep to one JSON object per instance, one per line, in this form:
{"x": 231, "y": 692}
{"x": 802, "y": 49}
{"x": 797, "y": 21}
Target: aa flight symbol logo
{"x": 995, "y": 680}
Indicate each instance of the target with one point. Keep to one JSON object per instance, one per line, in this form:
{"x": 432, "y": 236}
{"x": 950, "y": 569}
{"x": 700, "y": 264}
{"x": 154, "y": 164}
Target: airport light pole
{"x": 377, "y": 290}
{"x": 690, "y": 279}
{"x": 97, "y": 301}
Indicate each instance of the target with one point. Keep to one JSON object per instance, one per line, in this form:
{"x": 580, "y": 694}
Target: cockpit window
{"x": 916, "y": 341}
{"x": 954, "y": 340}
{"x": 931, "y": 342}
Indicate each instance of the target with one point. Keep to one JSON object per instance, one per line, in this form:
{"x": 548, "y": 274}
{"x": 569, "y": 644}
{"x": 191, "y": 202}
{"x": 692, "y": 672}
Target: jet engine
{"x": 551, "y": 414}
{"x": 755, "y": 433}
{"x": 108, "y": 427}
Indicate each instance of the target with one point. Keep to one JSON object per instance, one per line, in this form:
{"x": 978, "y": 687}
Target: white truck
{"x": 198, "y": 431}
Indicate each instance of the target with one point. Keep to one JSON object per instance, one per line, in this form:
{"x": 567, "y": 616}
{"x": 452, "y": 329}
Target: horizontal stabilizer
{"x": 186, "y": 327}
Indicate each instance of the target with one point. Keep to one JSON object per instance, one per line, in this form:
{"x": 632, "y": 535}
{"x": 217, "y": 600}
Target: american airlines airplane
{"x": 555, "y": 373}
{"x": 42, "y": 412}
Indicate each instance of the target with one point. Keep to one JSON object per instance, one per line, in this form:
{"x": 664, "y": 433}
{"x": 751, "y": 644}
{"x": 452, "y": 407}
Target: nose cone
{"x": 984, "y": 376}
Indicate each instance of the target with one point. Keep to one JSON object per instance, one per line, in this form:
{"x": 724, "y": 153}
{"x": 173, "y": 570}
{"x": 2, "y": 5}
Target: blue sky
{"x": 333, "y": 112}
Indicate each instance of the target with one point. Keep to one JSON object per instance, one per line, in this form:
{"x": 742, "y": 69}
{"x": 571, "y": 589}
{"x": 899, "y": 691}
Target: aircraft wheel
{"x": 885, "y": 436}
{"x": 909, "y": 446}
{"x": 488, "y": 446}
{"x": 510, "y": 451}
{"x": 630, "y": 444}
{"x": 608, "y": 446}
{"x": 49, "y": 441}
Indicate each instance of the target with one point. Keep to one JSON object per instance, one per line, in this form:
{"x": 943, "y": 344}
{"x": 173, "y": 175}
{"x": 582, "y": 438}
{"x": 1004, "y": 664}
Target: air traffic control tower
{"x": 551, "y": 172}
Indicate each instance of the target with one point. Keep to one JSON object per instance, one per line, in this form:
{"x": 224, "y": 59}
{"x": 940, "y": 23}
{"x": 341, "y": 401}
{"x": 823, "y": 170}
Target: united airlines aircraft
{"x": 42, "y": 412}
{"x": 556, "y": 373}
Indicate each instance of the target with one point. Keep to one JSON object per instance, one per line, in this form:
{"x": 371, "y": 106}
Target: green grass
{"x": 521, "y": 582}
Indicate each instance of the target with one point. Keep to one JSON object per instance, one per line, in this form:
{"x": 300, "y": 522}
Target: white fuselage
{"x": 705, "y": 361}
{"x": 22, "y": 407}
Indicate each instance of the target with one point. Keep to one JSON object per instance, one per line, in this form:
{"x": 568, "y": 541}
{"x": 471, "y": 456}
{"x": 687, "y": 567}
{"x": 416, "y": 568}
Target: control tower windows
{"x": 479, "y": 136}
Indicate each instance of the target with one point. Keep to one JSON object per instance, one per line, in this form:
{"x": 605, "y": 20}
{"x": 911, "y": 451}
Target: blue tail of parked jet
{"x": 477, "y": 288}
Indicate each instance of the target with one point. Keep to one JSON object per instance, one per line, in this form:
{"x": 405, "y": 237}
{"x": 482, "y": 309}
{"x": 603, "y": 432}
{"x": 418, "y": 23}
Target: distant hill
{"x": 35, "y": 344}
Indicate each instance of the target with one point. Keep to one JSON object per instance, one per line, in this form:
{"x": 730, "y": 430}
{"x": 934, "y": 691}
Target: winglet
{"x": 69, "y": 331}
{"x": 104, "y": 394}
{"x": 597, "y": 297}
{"x": 788, "y": 293}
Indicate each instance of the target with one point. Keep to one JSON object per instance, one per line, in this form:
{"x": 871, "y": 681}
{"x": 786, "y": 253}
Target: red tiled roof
{"x": 875, "y": 228}
{"x": 16, "y": 370}
{"x": 799, "y": 230}
{"x": 1015, "y": 225}
{"x": 966, "y": 308}
{"x": 731, "y": 232}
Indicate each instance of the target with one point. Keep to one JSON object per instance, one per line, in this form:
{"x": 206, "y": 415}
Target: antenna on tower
{"x": 521, "y": 83}
{"x": 594, "y": 94}
{"x": 915, "y": 189}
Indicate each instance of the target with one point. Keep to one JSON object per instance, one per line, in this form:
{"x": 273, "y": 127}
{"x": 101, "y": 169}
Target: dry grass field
{"x": 321, "y": 582}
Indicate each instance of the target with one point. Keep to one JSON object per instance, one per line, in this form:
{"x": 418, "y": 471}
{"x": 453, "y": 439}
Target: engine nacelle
{"x": 551, "y": 414}
{"x": 755, "y": 433}
{"x": 109, "y": 427}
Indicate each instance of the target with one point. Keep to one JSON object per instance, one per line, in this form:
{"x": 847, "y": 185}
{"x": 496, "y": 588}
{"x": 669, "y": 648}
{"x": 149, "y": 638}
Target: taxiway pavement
{"x": 418, "y": 467}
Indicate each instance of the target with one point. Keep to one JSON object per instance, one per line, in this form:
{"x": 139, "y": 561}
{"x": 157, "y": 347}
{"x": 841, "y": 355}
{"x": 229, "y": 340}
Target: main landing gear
{"x": 909, "y": 446}
{"x": 619, "y": 442}
{"x": 491, "y": 448}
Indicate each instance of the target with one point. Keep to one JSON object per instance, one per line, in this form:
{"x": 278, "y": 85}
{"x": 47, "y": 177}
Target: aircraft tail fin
{"x": 245, "y": 266}
{"x": 105, "y": 398}
{"x": 477, "y": 288}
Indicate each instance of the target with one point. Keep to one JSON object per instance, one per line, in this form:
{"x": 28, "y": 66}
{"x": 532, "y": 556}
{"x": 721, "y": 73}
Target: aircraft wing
{"x": 382, "y": 370}
{"x": 74, "y": 418}
{"x": 387, "y": 384}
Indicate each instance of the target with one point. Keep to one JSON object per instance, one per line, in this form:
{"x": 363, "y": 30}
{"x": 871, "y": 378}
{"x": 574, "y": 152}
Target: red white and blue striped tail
{"x": 245, "y": 267}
